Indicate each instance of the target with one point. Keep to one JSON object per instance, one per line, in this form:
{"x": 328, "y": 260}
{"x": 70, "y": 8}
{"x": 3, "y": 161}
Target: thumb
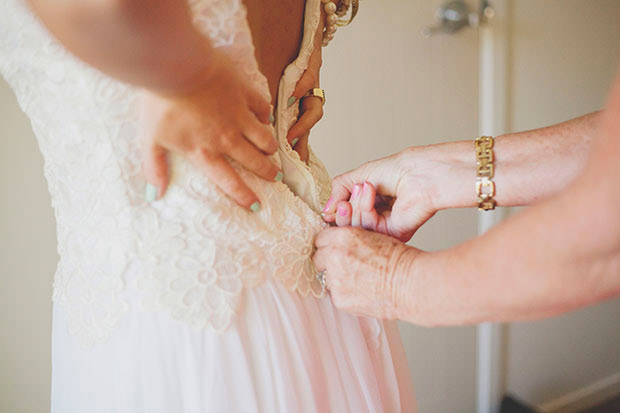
{"x": 155, "y": 170}
{"x": 405, "y": 219}
{"x": 342, "y": 187}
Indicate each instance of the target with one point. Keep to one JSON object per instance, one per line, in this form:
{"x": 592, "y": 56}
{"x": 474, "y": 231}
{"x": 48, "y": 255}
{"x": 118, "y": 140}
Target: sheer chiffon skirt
{"x": 283, "y": 353}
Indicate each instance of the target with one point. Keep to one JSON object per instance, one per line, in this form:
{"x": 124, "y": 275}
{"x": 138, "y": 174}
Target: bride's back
{"x": 277, "y": 28}
{"x": 116, "y": 248}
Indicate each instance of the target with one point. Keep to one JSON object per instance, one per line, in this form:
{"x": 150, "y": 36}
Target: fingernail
{"x": 294, "y": 142}
{"x": 365, "y": 187}
{"x": 271, "y": 118}
{"x": 356, "y": 190}
{"x": 328, "y": 204}
{"x": 150, "y": 193}
{"x": 291, "y": 101}
{"x": 255, "y": 206}
{"x": 342, "y": 211}
{"x": 279, "y": 177}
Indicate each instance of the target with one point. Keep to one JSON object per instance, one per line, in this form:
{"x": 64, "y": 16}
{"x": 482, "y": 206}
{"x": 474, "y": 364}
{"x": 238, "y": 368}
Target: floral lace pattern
{"x": 192, "y": 253}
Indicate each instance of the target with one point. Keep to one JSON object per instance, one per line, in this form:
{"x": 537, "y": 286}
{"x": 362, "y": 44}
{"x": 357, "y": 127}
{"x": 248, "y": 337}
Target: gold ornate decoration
{"x": 485, "y": 169}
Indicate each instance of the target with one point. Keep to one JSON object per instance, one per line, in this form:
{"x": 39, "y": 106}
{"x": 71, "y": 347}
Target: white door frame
{"x": 493, "y": 120}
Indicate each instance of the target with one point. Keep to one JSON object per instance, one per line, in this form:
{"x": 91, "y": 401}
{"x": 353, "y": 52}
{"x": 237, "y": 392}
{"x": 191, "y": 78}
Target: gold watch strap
{"x": 485, "y": 169}
{"x": 316, "y": 92}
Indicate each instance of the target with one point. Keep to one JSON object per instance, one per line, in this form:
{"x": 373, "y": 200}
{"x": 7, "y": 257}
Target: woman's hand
{"x": 310, "y": 108}
{"x": 397, "y": 194}
{"x": 223, "y": 116}
{"x": 365, "y": 271}
{"x": 365, "y": 209}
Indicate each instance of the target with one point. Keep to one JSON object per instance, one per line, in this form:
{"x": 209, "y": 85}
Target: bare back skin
{"x": 277, "y": 30}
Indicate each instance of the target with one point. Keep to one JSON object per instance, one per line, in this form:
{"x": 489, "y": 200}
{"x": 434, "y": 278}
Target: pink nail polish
{"x": 356, "y": 191}
{"x": 328, "y": 204}
{"x": 342, "y": 211}
{"x": 365, "y": 188}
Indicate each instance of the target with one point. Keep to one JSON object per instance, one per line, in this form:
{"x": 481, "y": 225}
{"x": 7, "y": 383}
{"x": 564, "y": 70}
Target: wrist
{"x": 196, "y": 68}
{"x": 446, "y": 173}
{"x": 402, "y": 288}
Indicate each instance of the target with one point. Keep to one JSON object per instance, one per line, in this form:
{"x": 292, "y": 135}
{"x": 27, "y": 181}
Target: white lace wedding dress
{"x": 191, "y": 303}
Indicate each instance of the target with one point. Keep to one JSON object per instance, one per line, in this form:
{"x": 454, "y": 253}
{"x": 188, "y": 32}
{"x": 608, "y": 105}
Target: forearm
{"x": 559, "y": 255}
{"x": 149, "y": 43}
{"x": 529, "y": 166}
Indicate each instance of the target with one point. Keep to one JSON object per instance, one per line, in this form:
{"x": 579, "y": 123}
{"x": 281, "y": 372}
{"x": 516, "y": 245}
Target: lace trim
{"x": 315, "y": 169}
{"x": 193, "y": 252}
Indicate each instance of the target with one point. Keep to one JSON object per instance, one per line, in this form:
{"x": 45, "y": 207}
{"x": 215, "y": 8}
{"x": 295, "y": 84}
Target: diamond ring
{"x": 321, "y": 277}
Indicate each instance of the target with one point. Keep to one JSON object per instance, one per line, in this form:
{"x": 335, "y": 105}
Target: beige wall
{"x": 564, "y": 55}
{"x": 27, "y": 262}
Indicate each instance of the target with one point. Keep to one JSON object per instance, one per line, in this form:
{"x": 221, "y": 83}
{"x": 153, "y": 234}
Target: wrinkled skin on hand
{"x": 365, "y": 271}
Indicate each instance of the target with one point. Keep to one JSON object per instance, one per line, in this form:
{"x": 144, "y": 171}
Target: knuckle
{"x": 343, "y": 236}
{"x": 310, "y": 77}
{"x": 263, "y": 167}
{"x": 199, "y": 156}
{"x": 232, "y": 186}
{"x": 254, "y": 163}
{"x": 307, "y": 81}
{"x": 269, "y": 143}
{"x": 337, "y": 182}
{"x": 227, "y": 142}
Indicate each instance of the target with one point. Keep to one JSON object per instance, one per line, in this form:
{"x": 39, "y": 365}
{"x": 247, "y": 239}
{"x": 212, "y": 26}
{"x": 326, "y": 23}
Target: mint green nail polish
{"x": 279, "y": 176}
{"x": 291, "y": 101}
{"x": 294, "y": 142}
{"x": 255, "y": 206}
{"x": 150, "y": 193}
{"x": 271, "y": 118}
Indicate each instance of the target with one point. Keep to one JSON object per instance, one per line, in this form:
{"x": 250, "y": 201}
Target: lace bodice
{"x": 191, "y": 253}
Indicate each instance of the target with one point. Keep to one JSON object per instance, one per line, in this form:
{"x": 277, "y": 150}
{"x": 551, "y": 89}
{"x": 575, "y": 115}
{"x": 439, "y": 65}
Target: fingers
{"x": 320, "y": 258}
{"x": 155, "y": 169}
{"x": 220, "y": 172}
{"x": 308, "y": 80}
{"x": 255, "y": 161}
{"x": 369, "y": 217}
{"x": 360, "y": 210}
{"x": 260, "y": 106}
{"x": 356, "y": 218}
{"x": 312, "y": 112}
{"x": 332, "y": 237}
{"x": 343, "y": 214}
{"x": 302, "y": 149}
{"x": 403, "y": 221}
{"x": 260, "y": 135}
{"x": 342, "y": 187}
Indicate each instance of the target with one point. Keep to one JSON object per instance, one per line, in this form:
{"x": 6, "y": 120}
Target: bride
{"x": 203, "y": 296}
